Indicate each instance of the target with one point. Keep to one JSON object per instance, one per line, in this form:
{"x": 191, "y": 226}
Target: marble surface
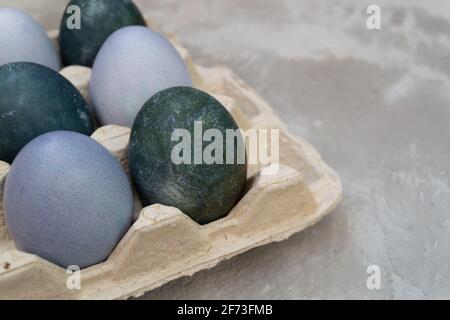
{"x": 376, "y": 104}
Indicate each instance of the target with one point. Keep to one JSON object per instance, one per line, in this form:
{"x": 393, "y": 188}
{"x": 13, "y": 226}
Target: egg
{"x": 204, "y": 190}
{"x": 23, "y": 39}
{"x": 97, "y": 20}
{"x": 35, "y": 100}
{"x": 67, "y": 200}
{"x": 134, "y": 64}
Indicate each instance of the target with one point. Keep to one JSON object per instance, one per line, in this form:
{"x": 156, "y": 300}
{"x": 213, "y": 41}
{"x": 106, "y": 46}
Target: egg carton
{"x": 164, "y": 244}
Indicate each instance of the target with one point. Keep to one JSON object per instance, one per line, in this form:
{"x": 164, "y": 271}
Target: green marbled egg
{"x": 204, "y": 190}
{"x": 98, "y": 20}
{"x": 35, "y": 100}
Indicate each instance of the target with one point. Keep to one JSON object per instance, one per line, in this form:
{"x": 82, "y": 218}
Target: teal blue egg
{"x": 34, "y": 100}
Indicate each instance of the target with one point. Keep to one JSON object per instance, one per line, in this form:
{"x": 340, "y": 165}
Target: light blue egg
{"x": 67, "y": 200}
{"x": 22, "y": 39}
{"x": 133, "y": 64}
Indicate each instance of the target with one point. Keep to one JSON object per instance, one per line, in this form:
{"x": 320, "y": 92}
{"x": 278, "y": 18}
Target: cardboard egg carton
{"x": 164, "y": 244}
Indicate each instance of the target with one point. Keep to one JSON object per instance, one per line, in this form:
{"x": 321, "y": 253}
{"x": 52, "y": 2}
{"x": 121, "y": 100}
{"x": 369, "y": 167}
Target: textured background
{"x": 376, "y": 104}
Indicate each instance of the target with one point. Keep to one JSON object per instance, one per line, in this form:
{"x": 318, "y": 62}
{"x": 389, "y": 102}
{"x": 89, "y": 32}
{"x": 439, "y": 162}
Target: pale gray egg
{"x": 67, "y": 200}
{"x": 22, "y": 39}
{"x": 133, "y": 64}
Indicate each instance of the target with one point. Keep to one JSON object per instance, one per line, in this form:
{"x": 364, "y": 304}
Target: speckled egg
{"x": 206, "y": 191}
{"x": 98, "y": 19}
{"x": 34, "y": 100}
{"x": 67, "y": 200}
{"x": 133, "y": 65}
{"x": 23, "y": 39}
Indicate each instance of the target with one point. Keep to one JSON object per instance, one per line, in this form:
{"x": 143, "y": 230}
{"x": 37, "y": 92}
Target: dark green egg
{"x": 35, "y": 100}
{"x": 204, "y": 190}
{"x": 98, "y": 20}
